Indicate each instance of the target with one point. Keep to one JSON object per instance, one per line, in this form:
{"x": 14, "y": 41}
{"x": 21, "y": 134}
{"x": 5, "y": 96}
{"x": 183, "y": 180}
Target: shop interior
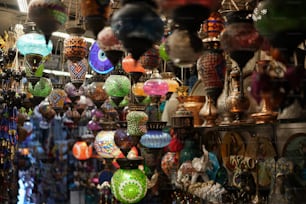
{"x": 152, "y": 102}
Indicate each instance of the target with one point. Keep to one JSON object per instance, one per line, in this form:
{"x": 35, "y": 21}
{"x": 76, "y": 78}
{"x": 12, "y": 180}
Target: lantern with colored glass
{"x": 132, "y": 67}
{"x": 33, "y": 46}
{"x": 95, "y": 90}
{"x": 40, "y": 90}
{"x": 57, "y": 99}
{"x": 110, "y": 44}
{"x": 155, "y": 137}
{"x": 155, "y": 87}
{"x": 81, "y": 150}
{"x": 117, "y": 87}
{"x": 150, "y": 59}
{"x": 173, "y": 84}
{"x": 75, "y": 46}
{"x": 105, "y": 145}
{"x": 77, "y": 71}
{"x": 129, "y": 184}
{"x": 138, "y": 26}
{"x": 49, "y": 16}
{"x": 138, "y": 92}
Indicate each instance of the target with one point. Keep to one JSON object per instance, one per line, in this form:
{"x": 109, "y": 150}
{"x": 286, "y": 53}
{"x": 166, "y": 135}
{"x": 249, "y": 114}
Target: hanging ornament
{"x": 73, "y": 92}
{"x": 77, "y": 71}
{"x": 57, "y": 99}
{"x": 125, "y": 141}
{"x": 150, "y": 59}
{"x": 49, "y": 16}
{"x": 117, "y": 87}
{"x": 81, "y": 150}
{"x": 98, "y": 60}
{"x": 138, "y": 27}
{"x": 95, "y": 91}
{"x": 96, "y": 14}
{"x": 108, "y": 41}
{"x": 131, "y": 65}
{"x": 184, "y": 48}
{"x": 105, "y": 145}
{"x": 75, "y": 47}
{"x": 136, "y": 123}
{"x": 33, "y": 43}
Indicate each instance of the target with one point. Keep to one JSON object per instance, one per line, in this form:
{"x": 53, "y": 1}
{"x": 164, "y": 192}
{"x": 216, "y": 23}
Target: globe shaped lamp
{"x": 132, "y": 67}
{"x": 129, "y": 184}
{"x": 75, "y": 46}
{"x": 105, "y": 145}
{"x": 156, "y": 86}
{"x": 95, "y": 91}
{"x": 117, "y": 87}
{"x": 155, "y": 137}
{"x": 81, "y": 151}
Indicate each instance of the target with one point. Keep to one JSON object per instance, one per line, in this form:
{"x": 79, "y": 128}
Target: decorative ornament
{"x": 98, "y": 60}
{"x": 48, "y": 15}
{"x": 138, "y": 27}
{"x": 81, "y": 150}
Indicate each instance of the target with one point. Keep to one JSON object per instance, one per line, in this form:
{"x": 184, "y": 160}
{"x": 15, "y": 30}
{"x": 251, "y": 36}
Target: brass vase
{"x": 209, "y": 112}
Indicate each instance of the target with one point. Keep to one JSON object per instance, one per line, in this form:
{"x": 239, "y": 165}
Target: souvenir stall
{"x": 180, "y": 102}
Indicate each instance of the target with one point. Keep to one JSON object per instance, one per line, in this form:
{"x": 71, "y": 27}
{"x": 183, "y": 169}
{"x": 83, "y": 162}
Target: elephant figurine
{"x": 200, "y": 165}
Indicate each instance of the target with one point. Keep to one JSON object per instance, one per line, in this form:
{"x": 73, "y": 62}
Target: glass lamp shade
{"x": 57, "y": 99}
{"x": 155, "y": 139}
{"x": 240, "y": 33}
{"x": 150, "y": 59}
{"x": 98, "y": 60}
{"x": 105, "y": 145}
{"x": 129, "y": 185}
{"x": 75, "y": 48}
{"x": 137, "y": 89}
{"x": 130, "y": 65}
{"x": 136, "y": 123}
{"x": 117, "y": 85}
{"x": 73, "y": 92}
{"x": 155, "y": 86}
{"x": 96, "y": 93}
{"x": 169, "y": 77}
{"x": 42, "y": 88}
{"x": 81, "y": 150}
{"x": 138, "y": 26}
{"x": 169, "y": 163}
{"x": 33, "y": 43}
{"x": 107, "y": 40}
{"x": 77, "y": 71}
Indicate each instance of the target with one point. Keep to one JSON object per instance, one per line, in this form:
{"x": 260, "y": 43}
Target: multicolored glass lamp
{"x": 133, "y": 68}
{"x": 155, "y": 87}
{"x": 77, "y": 71}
